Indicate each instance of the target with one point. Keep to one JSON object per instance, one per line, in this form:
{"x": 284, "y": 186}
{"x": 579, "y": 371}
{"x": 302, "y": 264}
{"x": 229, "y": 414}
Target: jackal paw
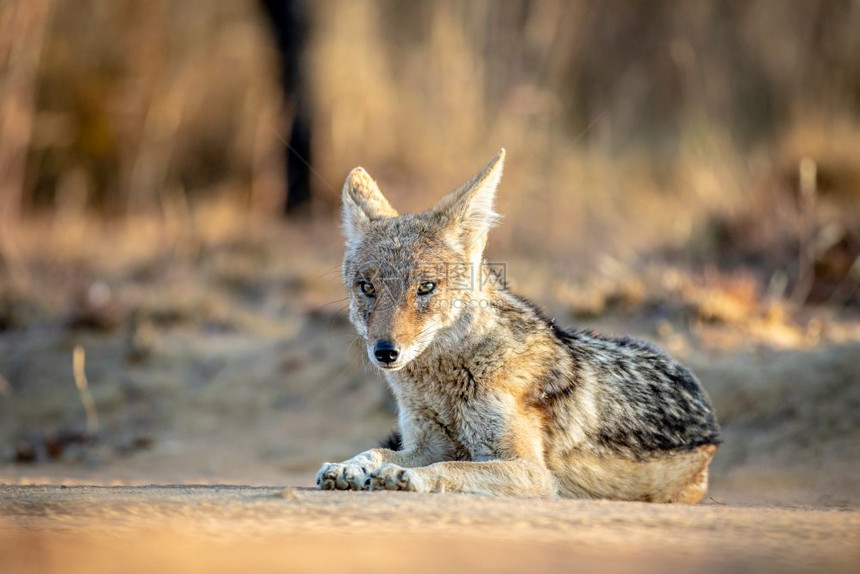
{"x": 393, "y": 477}
{"x": 341, "y": 476}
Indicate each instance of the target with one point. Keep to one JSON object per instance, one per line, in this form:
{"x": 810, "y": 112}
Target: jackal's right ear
{"x": 362, "y": 203}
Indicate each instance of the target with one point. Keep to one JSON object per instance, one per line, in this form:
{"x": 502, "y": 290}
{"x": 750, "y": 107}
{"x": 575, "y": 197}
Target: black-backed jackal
{"x": 492, "y": 396}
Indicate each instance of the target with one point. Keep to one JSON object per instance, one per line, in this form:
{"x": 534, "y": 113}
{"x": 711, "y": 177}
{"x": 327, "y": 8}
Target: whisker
{"x": 334, "y": 316}
{"x": 324, "y": 305}
{"x": 342, "y": 334}
{"x": 326, "y": 274}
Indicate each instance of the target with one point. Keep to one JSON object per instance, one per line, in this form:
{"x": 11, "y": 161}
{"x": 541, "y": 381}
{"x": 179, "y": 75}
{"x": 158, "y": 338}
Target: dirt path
{"x": 235, "y": 528}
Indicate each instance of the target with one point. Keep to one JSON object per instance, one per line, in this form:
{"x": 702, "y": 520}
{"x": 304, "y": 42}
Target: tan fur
{"x": 492, "y": 397}
{"x": 679, "y": 478}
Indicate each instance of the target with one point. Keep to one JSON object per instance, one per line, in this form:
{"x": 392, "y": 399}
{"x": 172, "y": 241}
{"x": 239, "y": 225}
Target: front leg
{"x": 520, "y": 471}
{"x": 424, "y": 442}
{"x": 498, "y": 477}
{"x": 354, "y": 473}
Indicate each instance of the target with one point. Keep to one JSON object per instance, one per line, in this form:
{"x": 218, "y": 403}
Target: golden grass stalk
{"x": 78, "y": 363}
{"x": 808, "y": 177}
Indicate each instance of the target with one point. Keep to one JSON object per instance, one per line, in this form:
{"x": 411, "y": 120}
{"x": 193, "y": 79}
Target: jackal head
{"x": 412, "y": 276}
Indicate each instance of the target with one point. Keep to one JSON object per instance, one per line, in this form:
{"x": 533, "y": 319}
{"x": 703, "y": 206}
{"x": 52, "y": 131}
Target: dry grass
{"x": 598, "y": 149}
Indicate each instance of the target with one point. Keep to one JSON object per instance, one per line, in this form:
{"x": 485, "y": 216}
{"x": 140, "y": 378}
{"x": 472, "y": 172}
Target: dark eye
{"x": 367, "y": 288}
{"x": 426, "y": 288}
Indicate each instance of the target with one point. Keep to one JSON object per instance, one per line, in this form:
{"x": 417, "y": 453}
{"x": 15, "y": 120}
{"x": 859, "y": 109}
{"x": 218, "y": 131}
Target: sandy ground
{"x": 236, "y": 528}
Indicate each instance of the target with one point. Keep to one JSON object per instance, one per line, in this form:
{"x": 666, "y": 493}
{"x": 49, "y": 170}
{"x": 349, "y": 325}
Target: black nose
{"x": 386, "y": 352}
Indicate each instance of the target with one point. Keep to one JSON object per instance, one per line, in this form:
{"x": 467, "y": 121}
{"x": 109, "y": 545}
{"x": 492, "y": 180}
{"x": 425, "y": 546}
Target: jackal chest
{"x": 470, "y": 421}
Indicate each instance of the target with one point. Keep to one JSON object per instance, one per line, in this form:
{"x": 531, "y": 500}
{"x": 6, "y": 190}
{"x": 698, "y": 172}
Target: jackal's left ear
{"x": 467, "y": 214}
{"x": 362, "y": 203}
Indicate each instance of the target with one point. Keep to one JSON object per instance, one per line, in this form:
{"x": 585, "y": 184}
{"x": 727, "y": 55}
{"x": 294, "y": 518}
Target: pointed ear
{"x": 362, "y": 203}
{"x": 467, "y": 214}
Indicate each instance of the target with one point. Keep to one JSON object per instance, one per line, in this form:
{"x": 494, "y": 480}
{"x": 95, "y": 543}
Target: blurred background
{"x": 170, "y": 171}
